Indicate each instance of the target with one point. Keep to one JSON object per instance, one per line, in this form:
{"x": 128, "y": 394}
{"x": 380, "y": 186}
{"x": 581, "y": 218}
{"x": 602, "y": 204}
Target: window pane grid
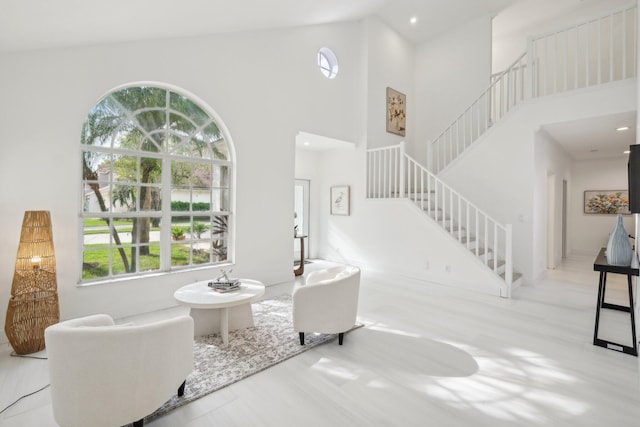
{"x": 123, "y": 185}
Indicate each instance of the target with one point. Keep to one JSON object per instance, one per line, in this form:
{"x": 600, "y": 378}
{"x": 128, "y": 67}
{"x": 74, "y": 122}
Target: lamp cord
{"x": 13, "y": 354}
{"x": 26, "y": 356}
{"x": 22, "y": 397}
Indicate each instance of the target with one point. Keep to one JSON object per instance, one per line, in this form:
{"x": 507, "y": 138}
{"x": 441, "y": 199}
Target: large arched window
{"x": 156, "y": 185}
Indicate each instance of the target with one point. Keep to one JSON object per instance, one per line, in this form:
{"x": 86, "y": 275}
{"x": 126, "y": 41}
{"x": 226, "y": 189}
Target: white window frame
{"x": 328, "y": 62}
{"x": 165, "y": 213}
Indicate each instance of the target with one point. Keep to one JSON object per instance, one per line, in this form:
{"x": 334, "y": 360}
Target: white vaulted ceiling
{"x": 38, "y": 24}
{"x": 44, "y": 24}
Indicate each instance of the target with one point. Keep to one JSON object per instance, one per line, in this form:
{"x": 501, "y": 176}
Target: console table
{"x": 601, "y": 265}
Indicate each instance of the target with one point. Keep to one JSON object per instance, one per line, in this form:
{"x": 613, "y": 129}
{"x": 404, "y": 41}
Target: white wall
{"x": 552, "y": 165}
{"x": 389, "y": 63}
{"x": 591, "y": 232}
{"x": 265, "y": 86}
{"x": 451, "y": 72}
{"x": 392, "y": 237}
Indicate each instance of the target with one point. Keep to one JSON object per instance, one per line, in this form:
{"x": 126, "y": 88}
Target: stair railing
{"x": 599, "y": 50}
{"x": 504, "y": 93}
{"x": 384, "y": 172}
{"x": 391, "y": 173}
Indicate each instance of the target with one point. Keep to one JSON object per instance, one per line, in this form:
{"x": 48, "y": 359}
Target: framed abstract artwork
{"x": 340, "y": 200}
{"x": 606, "y": 202}
{"x": 396, "y": 112}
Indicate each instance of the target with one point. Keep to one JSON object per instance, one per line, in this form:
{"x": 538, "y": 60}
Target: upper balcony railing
{"x": 594, "y": 52}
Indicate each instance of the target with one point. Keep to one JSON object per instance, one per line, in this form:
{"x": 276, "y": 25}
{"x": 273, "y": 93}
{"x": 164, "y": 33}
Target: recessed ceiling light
{"x": 306, "y": 143}
{"x": 622, "y": 128}
{"x": 413, "y": 20}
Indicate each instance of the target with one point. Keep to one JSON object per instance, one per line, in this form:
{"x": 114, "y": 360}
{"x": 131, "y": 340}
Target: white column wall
{"x": 550, "y": 160}
{"x": 386, "y": 236}
{"x": 389, "y": 63}
{"x": 451, "y": 72}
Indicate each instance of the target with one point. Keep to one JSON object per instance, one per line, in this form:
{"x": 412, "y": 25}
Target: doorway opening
{"x": 301, "y": 218}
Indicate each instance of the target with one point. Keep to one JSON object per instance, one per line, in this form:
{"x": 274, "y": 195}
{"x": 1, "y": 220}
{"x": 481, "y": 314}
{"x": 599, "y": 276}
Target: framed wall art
{"x": 606, "y": 202}
{"x": 340, "y": 200}
{"x": 396, "y": 112}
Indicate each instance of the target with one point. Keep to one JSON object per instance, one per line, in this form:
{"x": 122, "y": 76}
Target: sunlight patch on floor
{"x": 381, "y": 327}
{"x": 327, "y": 366}
{"x": 524, "y": 386}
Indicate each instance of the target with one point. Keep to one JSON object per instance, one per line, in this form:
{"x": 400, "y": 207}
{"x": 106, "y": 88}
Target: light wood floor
{"x": 428, "y": 356}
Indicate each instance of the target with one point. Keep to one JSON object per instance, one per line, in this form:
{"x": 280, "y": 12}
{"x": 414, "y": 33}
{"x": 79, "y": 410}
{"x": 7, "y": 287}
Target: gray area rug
{"x": 251, "y": 350}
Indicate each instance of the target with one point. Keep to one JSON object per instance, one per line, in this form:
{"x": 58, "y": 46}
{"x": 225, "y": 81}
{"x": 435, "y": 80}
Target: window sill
{"x": 138, "y": 277}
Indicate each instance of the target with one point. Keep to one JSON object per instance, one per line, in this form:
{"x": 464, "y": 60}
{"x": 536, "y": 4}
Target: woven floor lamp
{"x": 34, "y": 297}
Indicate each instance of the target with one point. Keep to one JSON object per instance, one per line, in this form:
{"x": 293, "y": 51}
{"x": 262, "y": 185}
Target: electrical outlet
{"x": 426, "y": 265}
{"x": 447, "y": 268}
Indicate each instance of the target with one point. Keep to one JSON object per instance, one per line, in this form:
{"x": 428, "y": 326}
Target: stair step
{"x": 516, "y": 277}
{"x": 437, "y": 215}
{"x": 499, "y": 268}
{"x": 424, "y": 204}
{"x": 460, "y": 234}
{"x": 466, "y": 239}
{"x": 481, "y": 252}
{"x": 481, "y": 256}
{"x": 489, "y": 263}
{"x": 424, "y": 194}
{"x": 500, "y": 263}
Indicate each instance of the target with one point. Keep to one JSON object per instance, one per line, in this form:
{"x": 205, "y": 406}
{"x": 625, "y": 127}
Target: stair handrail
{"x": 490, "y": 106}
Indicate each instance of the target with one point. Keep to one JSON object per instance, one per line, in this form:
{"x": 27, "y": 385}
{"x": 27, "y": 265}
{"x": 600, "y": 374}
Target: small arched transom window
{"x": 328, "y": 62}
{"x": 156, "y": 185}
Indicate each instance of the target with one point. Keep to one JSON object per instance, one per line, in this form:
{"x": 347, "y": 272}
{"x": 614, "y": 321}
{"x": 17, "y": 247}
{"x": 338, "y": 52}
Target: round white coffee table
{"x": 214, "y": 312}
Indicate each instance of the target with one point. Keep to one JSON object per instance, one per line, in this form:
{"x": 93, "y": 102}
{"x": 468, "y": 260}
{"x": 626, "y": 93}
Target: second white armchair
{"x": 327, "y": 302}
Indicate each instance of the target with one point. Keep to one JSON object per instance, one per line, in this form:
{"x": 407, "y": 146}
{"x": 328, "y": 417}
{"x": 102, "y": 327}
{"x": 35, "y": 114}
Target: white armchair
{"x": 111, "y": 375}
{"x": 327, "y": 302}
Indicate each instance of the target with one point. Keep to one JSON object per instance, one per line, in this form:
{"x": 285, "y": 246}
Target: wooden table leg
{"x": 300, "y": 270}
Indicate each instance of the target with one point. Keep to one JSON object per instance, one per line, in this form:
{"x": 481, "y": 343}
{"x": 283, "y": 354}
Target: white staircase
{"x": 597, "y": 51}
{"x": 474, "y": 242}
{"x": 394, "y": 174}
